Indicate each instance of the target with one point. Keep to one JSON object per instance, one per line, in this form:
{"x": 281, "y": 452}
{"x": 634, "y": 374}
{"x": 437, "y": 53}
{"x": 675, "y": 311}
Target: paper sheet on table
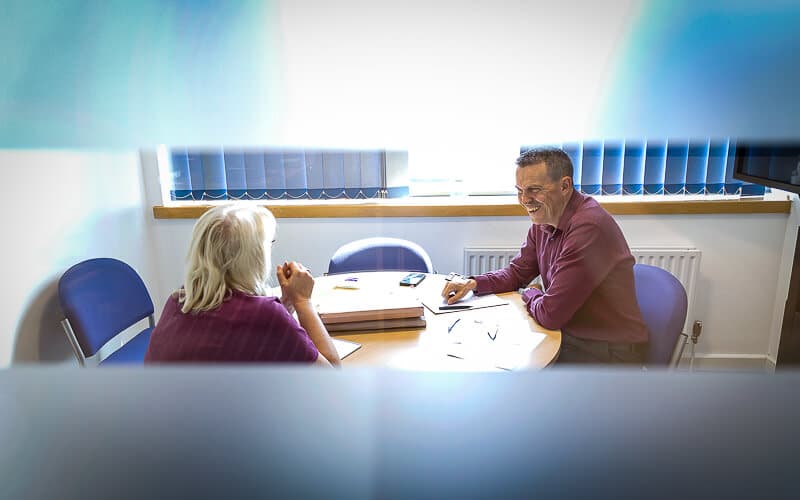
{"x": 345, "y": 347}
{"x": 435, "y": 301}
{"x": 504, "y": 345}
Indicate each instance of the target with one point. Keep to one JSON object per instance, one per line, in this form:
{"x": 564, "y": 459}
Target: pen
{"x": 454, "y": 307}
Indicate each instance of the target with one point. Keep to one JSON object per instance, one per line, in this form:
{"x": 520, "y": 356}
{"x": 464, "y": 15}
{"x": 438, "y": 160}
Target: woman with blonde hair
{"x": 225, "y": 313}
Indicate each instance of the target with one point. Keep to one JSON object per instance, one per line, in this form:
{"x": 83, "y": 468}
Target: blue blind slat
{"x": 732, "y": 186}
{"x": 256, "y": 175}
{"x": 181, "y": 178}
{"x": 613, "y": 159}
{"x": 333, "y": 174}
{"x": 655, "y": 164}
{"x": 371, "y": 178}
{"x": 196, "y": 175}
{"x": 235, "y": 175}
{"x": 575, "y": 152}
{"x": 592, "y": 168}
{"x": 717, "y": 160}
{"x": 675, "y": 166}
{"x": 633, "y": 168}
{"x": 351, "y": 166}
{"x": 294, "y": 164}
{"x": 696, "y": 167}
{"x": 275, "y": 174}
{"x": 314, "y": 174}
{"x": 214, "y": 181}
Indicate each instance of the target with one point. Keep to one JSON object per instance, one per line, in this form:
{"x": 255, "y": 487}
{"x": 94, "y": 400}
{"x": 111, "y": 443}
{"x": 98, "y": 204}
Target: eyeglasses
{"x": 490, "y": 332}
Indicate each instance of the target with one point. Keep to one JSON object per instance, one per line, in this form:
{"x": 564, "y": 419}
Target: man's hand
{"x": 455, "y": 289}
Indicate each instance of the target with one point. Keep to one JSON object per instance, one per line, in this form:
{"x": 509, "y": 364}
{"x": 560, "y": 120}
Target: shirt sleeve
{"x": 587, "y": 257}
{"x": 520, "y": 271}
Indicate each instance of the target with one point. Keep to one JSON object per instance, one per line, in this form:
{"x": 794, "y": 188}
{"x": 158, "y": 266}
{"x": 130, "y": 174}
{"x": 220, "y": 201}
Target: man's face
{"x": 543, "y": 198}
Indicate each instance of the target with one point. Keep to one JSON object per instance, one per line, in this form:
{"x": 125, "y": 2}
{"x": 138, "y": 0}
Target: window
{"x": 658, "y": 167}
{"x": 610, "y": 167}
{"x": 213, "y": 174}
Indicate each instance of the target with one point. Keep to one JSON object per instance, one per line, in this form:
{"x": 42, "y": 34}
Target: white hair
{"x": 231, "y": 250}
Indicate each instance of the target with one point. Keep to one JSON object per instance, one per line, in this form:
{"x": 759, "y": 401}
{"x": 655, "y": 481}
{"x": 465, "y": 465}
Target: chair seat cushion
{"x": 133, "y": 352}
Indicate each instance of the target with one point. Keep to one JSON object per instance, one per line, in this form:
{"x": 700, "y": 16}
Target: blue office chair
{"x": 662, "y": 301}
{"x": 380, "y": 254}
{"x": 102, "y": 298}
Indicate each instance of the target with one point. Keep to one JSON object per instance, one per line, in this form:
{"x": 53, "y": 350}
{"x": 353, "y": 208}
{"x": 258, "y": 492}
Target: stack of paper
{"x": 347, "y": 312}
{"x": 377, "y": 325}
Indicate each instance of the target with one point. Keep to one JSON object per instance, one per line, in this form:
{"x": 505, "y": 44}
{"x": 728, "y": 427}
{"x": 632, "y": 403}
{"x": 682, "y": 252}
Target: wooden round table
{"x": 427, "y": 348}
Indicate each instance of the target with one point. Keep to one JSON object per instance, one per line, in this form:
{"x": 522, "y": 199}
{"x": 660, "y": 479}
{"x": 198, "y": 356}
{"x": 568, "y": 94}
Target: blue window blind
{"x": 657, "y": 167}
{"x": 275, "y": 174}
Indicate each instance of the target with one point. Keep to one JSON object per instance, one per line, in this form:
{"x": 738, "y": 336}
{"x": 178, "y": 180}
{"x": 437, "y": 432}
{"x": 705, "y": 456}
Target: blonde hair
{"x": 230, "y": 250}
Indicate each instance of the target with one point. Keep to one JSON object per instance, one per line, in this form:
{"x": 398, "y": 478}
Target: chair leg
{"x": 677, "y": 358}
{"x": 73, "y": 340}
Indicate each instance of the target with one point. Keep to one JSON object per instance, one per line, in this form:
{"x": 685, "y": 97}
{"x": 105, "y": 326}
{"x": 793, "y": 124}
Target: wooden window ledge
{"x": 481, "y": 207}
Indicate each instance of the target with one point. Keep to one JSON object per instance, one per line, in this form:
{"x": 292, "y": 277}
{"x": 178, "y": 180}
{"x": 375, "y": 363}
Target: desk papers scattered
{"x": 505, "y": 345}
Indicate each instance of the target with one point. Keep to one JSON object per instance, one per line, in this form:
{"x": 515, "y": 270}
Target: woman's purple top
{"x": 244, "y": 328}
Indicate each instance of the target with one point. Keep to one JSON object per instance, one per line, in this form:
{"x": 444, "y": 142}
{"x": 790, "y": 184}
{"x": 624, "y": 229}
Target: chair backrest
{"x": 663, "y": 303}
{"x": 380, "y": 254}
{"x": 101, "y": 298}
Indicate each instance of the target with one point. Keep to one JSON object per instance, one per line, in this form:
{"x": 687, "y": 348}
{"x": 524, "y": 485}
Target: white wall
{"x": 77, "y": 216}
{"x": 735, "y": 294}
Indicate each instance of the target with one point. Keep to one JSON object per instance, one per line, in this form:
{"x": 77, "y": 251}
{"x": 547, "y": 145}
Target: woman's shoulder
{"x": 261, "y": 301}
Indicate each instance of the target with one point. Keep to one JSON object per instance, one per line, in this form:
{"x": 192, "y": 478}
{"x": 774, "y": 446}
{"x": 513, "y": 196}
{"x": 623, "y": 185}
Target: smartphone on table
{"x": 412, "y": 279}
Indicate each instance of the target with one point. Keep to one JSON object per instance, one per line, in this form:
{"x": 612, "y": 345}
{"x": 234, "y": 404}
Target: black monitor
{"x": 769, "y": 163}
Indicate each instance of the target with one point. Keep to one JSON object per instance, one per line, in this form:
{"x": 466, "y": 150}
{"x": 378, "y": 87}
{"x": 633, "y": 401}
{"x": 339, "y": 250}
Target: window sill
{"x": 481, "y": 207}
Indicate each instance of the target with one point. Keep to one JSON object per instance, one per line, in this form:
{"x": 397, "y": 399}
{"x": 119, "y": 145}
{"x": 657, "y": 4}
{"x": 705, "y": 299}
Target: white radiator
{"x": 682, "y": 262}
{"x": 485, "y": 259}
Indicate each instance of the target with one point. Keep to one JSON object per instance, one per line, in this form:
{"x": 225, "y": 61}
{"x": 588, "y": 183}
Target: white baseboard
{"x": 728, "y": 362}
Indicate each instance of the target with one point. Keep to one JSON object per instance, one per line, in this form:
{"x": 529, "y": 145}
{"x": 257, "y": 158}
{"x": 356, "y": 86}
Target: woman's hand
{"x": 296, "y": 282}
